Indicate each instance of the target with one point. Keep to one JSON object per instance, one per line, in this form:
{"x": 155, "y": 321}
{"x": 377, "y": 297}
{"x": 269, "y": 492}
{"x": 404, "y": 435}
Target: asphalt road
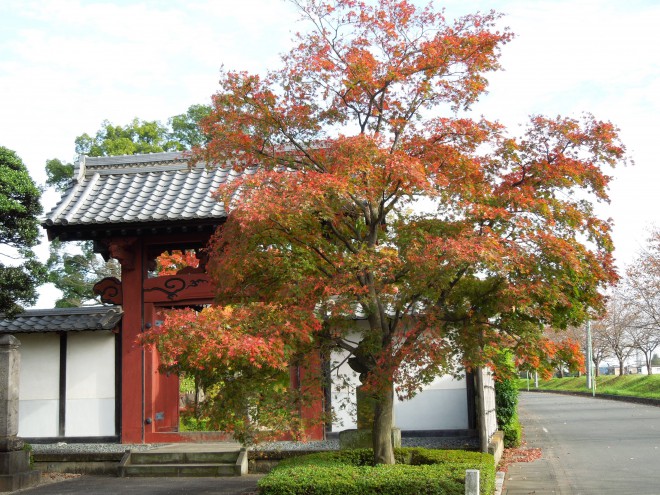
{"x": 590, "y": 446}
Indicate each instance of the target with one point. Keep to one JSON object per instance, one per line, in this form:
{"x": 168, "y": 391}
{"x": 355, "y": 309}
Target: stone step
{"x": 191, "y": 461}
{"x": 179, "y": 470}
{"x": 183, "y": 457}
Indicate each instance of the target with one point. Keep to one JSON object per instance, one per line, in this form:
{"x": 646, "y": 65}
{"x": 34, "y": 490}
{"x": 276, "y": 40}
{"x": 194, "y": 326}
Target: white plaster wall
{"x": 90, "y": 384}
{"x": 38, "y": 408}
{"x": 442, "y": 405}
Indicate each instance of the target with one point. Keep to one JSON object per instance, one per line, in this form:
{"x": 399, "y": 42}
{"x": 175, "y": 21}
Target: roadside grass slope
{"x": 645, "y": 386}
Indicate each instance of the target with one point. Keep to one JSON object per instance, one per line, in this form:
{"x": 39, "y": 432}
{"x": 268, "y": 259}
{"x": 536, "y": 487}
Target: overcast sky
{"x": 67, "y": 65}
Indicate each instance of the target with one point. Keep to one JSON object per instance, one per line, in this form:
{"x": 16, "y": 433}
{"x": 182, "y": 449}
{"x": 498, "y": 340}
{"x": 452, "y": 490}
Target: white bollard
{"x": 472, "y": 482}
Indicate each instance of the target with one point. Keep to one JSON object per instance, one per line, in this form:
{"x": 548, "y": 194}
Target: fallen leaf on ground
{"x": 518, "y": 454}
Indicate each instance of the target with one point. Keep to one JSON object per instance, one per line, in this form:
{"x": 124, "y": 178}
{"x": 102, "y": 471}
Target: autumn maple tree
{"x": 364, "y": 191}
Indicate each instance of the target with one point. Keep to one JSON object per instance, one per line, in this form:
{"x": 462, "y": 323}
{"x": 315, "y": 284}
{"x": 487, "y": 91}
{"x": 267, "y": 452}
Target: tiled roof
{"x": 139, "y": 189}
{"x": 63, "y": 320}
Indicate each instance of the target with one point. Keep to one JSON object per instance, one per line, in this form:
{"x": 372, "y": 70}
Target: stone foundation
{"x": 15, "y": 470}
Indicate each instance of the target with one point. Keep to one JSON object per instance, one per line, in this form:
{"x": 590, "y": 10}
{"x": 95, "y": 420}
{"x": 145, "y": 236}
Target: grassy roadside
{"x": 644, "y": 386}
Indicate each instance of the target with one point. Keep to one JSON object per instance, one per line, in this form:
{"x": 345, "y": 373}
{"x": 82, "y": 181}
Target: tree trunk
{"x": 647, "y": 357}
{"x": 621, "y": 368}
{"x": 382, "y": 428}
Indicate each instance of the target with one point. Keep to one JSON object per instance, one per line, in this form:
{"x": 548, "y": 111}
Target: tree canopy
{"x": 372, "y": 197}
{"x": 20, "y": 273}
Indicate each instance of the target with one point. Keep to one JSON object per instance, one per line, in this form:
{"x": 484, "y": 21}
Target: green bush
{"x": 506, "y": 410}
{"x": 349, "y": 472}
{"x": 506, "y": 401}
{"x": 512, "y": 433}
{"x": 191, "y": 423}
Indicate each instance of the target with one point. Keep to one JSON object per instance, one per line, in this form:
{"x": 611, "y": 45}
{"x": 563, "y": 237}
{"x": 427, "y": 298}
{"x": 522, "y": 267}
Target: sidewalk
{"x": 537, "y": 477}
{"x": 540, "y": 477}
{"x": 106, "y": 485}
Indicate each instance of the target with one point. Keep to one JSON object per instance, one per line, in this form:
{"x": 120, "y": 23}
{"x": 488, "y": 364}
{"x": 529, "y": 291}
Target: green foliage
{"x": 512, "y": 432}
{"x": 244, "y": 401}
{"x": 185, "y": 127}
{"x": 20, "y": 272}
{"x": 28, "y": 448}
{"x": 506, "y": 401}
{"x": 189, "y": 422}
{"x": 59, "y": 174}
{"x": 655, "y": 360}
{"x": 187, "y": 384}
{"x": 146, "y": 136}
{"x": 140, "y": 136}
{"x": 506, "y": 409}
{"x": 75, "y": 273}
{"x": 19, "y": 202}
{"x": 350, "y": 472}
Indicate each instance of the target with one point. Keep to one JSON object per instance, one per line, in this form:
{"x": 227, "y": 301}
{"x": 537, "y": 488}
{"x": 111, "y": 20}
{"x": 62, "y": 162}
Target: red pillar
{"x": 129, "y": 254}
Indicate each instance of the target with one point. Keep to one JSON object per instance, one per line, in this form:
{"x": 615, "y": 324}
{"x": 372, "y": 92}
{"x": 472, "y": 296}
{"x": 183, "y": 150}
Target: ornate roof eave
{"x": 98, "y": 232}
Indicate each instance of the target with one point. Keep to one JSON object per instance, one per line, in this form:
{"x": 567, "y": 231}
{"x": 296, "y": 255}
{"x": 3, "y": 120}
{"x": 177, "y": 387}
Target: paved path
{"x": 104, "y": 485}
{"x": 590, "y": 446}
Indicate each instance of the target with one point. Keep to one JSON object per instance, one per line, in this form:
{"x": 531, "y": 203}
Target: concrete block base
{"x": 15, "y": 472}
{"x": 496, "y": 446}
{"x": 361, "y": 439}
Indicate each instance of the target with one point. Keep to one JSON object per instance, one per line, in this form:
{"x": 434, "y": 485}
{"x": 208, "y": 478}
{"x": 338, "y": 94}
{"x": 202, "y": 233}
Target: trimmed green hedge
{"x": 512, "y": 433}
{"x": 349, "y": 472}
{"x": 506, "y": 409}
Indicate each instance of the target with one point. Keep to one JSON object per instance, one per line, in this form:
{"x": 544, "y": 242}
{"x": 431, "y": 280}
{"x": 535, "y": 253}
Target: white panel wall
{"x": 90, "y": 384}
{"x": 38, "y": 407}
{"x": 442, "y": 405}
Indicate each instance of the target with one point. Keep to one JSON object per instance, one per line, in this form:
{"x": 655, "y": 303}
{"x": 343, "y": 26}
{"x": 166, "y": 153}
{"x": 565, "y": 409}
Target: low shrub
{"x": 506, "y": 401}
{"x": 349, "y": 472}
{"x": 512, "y": 433}
{"x": 191, "y": 423}
{"x": 506, "y": 409}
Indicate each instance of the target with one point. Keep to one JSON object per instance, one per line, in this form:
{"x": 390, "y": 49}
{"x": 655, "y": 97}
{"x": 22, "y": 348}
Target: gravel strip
{"x": 333, "y": 444}
{"x": 87, "y": 448}
{"x": 425, "y": 442}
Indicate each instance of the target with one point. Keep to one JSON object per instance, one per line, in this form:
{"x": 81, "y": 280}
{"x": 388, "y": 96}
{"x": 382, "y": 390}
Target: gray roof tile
{"x": 63, "y": 320}
{"x": 133, "y": 189}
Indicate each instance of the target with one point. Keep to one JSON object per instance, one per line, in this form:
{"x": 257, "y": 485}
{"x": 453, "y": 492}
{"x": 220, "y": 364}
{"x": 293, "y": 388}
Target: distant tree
{"x": 139, "y": 136}
{"x": 58, "y": 173}
{"x": 645, "y": 339}
{"x": 655, "y": 361}
{"x": 20, "y": 272}
{"x": 642, "y": 285}
{"x": 75, "y": 272}
{"x": 600, "y": 350}
{"x": 185, "y": 129}
{"x": 599, "y": 347}
{"x": 614, "y": 328}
